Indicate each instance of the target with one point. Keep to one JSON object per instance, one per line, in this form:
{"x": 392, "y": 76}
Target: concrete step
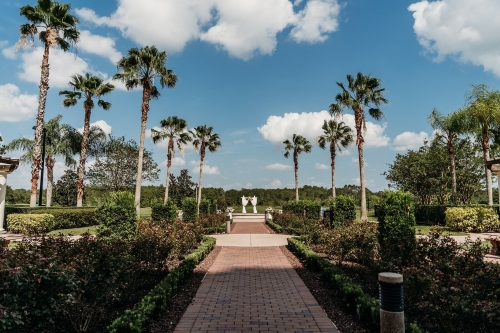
{"x": 249, "y": 217}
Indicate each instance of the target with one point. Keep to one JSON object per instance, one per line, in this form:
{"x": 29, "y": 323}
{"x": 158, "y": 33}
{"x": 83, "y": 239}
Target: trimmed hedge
{"x": 156, "y": 301}
{"x": 167, "y": 212}
{"x": 343, "y": 210}
{"x": 278, "y": 229}
{"x": 472, "y": 219}
{"x": 65, "y": 217}
{"x": 205, "y": 207}
{"x": 352, "y": 296}
{"x": 30, "y": 223}
{"x": 189, "y": 207}
{"x": 309, "y": 209}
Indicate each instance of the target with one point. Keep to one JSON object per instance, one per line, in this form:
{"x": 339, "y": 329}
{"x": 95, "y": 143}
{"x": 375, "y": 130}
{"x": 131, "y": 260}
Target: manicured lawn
{"x": 74, "y": 231}
{"x": 424, "y": 230}
{"x": 145, "y": 212}
{"x": 371, "y": 215}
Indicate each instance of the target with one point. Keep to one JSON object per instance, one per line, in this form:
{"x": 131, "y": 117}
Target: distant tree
{"x": 2, "y": 146}
{"x": 66, "y": 188}
{"x": 483, "y": 116}
{"x": 175, "y": 130}
{"x": 362, "y": 92}
{"x": 115, "y": 167}
{"x": 338, "y": 135}
{"x": 55, "y": 27}
{"x": 203, "y": 138}
{"x": 181, "y": 187}
{"x": 449, "y": 128}
{"x": 87, "y": 87}
{"x": 17, "y": 196}
{"x": 297, "y": 146}
{"x": 140, "y": 69}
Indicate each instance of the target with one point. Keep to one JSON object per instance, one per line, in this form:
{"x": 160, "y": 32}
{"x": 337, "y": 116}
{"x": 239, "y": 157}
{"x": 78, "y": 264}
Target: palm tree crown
{"x": 362, "y": 92}
{"x": 175, "y": 130}
{"x": 203, "y": 138}
{"x": 338, "y": 134}
{"x": 87, "y": 87}
{"x": 141, "y": 68}
{"x": 298, "y": 145}
{"x": 57, "y": 29}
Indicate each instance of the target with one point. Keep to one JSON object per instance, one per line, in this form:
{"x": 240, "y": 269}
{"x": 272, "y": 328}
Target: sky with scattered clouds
{"x": 259, "y": 71}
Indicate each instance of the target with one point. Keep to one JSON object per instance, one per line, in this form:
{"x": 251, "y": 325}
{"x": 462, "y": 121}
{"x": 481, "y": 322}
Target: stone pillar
{"x": 3, "y": 190}
{"x": 392, "y": 317}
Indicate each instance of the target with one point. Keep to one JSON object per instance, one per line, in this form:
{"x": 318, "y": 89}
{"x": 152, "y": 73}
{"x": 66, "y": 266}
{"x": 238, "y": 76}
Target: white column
{"x": 3, "y": 190}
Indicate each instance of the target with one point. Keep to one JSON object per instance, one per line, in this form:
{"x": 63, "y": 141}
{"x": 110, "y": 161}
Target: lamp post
{"x": 40, "y": 195}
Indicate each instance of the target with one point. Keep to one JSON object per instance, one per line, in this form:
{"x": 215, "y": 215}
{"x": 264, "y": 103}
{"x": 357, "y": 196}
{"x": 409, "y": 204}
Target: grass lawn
{"x": 371, "y": 215}
{"x": 145, "y": 212}
{"x": 424, "y": 230}
{"x": 74, "y": 231}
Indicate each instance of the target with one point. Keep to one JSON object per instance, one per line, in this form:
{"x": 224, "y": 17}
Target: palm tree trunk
{"x": 146, "y": 97}
{"x": 296, "y": 163}
{"x": 202, "y": 157}
{"x": 332, "y": 155}
{"x": 83, "y": 154}
{"x": 169, "y": 164}
{"x": 453, "y": 179}
{"x": 364, "y": 215}
{"x": 37, "y": 161}
{"x": 50, "y": 161}
{"x": 489, "y": 189}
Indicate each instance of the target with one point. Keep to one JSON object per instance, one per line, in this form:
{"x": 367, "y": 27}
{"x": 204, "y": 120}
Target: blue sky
{"x": 259, "y": 71}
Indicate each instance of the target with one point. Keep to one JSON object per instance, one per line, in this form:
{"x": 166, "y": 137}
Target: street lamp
{"x": 40, "y": 195}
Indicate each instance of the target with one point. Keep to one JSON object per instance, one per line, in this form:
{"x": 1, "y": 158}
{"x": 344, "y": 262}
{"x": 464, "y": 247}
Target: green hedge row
{"x": 309, "y": 209}
{"x": 30, "y": 223}
{"x": 277, "y": 228}
{"x": 139, "y": 318}
{"x": 65, "y": 218}
{"x": 189, "y": 207}
{"x": 352, "y": 296}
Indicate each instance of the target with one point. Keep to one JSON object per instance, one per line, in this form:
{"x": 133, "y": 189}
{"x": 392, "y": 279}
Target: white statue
{"x": 244, "y": 202}
{"x": 254, "y": 203}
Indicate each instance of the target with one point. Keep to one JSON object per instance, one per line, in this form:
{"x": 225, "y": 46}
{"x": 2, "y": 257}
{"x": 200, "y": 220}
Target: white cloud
{"x": 409, "y": 141}
{"x": 278, "y": 166}
{"x": 308, "y": 124}
{"x": 242, "y": 28}
{"x": 316, "y": 20}
{"x": 15, "y": 106}
{"x": 276, "y": 183}
{"x": 102, "y": 46}
{"x": 207, "y": 170}
{"x": 248, "y": 185}
{"x": 355, "y": 162}
{"x": 462, "y": 29}
{"x": 176, "y": 162}
{"x": 9, "y": 52}
{"x": 62, "y": 66}
{"x": 106, "y": 128}
{"x": 321, "y": 166}
{"x": 367, "y": 181}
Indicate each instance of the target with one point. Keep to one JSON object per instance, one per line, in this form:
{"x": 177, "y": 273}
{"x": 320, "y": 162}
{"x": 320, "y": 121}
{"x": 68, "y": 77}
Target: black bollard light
{"x": 228, "y": 224}
{"x": 392, "y": 318}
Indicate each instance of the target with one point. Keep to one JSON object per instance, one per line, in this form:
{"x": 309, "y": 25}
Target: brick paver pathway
{"x": 249, "y": 228}
{"x": 253, "y": 290}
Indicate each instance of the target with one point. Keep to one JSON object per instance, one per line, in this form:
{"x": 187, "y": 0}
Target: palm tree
{"x": 88, "y": 87}
{"x": 338, "y": 135}
{"x": 175, "y": 129}
{"x": 298, "y": 145}
{"x": 57, "y": 29}
{"x": 58, "y": 143}
{"x": 449, "y": 128}
{"x": 203, "y": 138}
{"x": 483, "y": 116}
{"x": 141, "y": 68}
{"x": 362, "y": 91}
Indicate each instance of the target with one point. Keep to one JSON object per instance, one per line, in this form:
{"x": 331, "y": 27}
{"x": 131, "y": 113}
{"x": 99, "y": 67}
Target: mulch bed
{"x": 327, "y": 298}
{"x": 185, "y": 294}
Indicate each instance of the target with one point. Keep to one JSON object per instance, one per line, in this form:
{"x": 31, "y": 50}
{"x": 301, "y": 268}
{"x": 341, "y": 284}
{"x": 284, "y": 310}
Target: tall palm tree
{"x": 362, "y": 92}
{"x": 338, "y": 135}
{"x": 203, "y": 138}
{"x": 449, "y": 128}
{"x": 483, "y": 117}
{"x": 141, "y": 68}
{"x": 298, "y": 145}
{"x": 55, "y": 27}
{"x": 175, "y": 130}
{"x": 87, "y": 87}
{"x": 58, "y": 143}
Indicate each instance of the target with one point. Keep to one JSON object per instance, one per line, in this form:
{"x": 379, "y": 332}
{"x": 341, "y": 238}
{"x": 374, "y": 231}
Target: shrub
{"x": 430, "y": 215}
{"x": 213, "y": 223}
{"x": 189, "y": 207}
{"x": 161, "y": 212}
{"x": 343, "y": 210}
{"x": 30, "y": 223}
{"x": 472, "y": 219}
{"x": 396, "y": 230}
{"x": 294, "y": 207}
{"x": 312, "y": 209}
{"x": 117, "y": 216}
{"x": 205, "y": 207}
{"x": 65, "y": 217}
{"x": 355, "y": 242}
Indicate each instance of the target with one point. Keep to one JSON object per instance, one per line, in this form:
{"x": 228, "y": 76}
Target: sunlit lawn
{"x": 424, "y": 230}
{"x": 371, "y": 215}
{"x": 74, "y": 231}
{"x": 145, "y": 212}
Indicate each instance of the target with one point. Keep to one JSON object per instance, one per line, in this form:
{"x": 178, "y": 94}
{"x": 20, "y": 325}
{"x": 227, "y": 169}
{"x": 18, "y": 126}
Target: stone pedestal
{"x": 7, "y": 165}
